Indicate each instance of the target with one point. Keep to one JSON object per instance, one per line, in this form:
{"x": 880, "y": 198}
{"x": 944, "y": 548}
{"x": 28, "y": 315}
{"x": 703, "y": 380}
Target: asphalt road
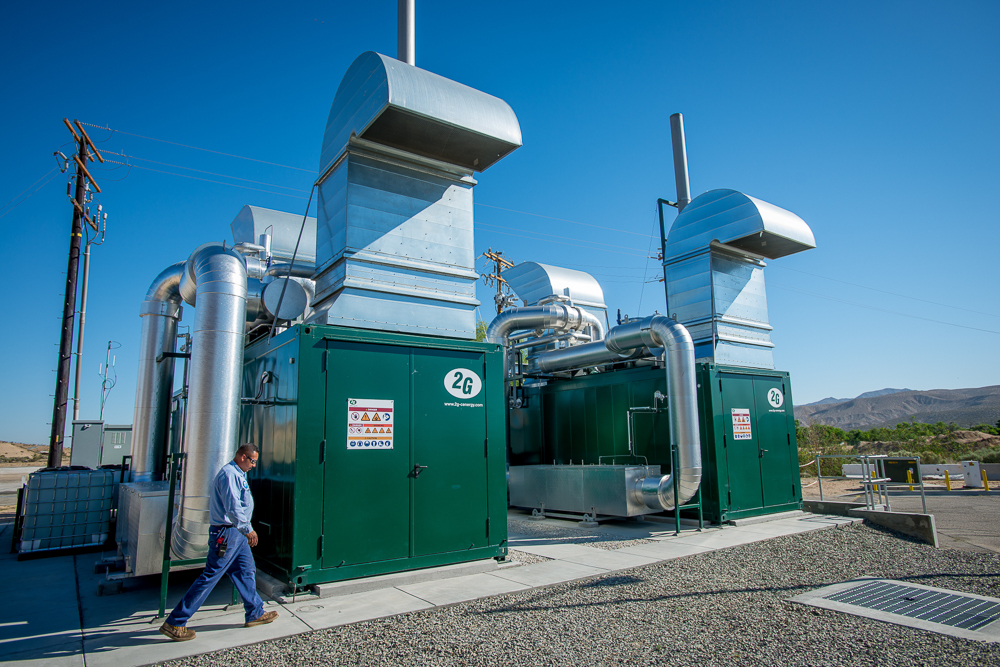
{"x": 965, "y": 519}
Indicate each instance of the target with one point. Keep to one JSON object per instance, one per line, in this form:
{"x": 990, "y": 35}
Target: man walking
{"x": 230, "y": 538}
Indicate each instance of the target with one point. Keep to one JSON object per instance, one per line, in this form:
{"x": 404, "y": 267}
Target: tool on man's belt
{"x": 220, "y": 545}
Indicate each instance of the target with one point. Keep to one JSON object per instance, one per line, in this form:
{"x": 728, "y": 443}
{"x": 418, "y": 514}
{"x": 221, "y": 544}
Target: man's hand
{"x": 252, "y": 538}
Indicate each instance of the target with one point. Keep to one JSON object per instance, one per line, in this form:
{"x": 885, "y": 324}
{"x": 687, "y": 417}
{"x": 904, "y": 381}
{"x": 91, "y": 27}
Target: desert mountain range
{"x": 888, "y": 407}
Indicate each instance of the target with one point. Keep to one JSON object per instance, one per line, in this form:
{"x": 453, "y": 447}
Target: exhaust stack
{"x": 680, "y": 161}
{"x": 406, "y": 31}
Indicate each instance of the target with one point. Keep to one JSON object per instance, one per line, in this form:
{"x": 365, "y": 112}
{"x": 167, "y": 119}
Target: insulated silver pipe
{"x": 160, "y": 313}
{"x": 300, "y": 270}
{"x": 680, "y": 161}
{"x": 220, "y": 278}
{"x": 682, "y": 397}
{"x": 556, "y": 316}
{"x": 406, "y": 31}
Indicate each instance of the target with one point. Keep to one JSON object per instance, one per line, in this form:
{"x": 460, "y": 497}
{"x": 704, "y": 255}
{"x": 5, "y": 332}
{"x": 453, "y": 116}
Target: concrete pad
{"x": 137, "y": 642}
{"x": 548, "y": 573}
{"x": 52, "y": 655}
{"x": 722, "y": 539}
{"x": 402, "y": 578}
{"x": 609, "y": 560}
{"x": 460, "y": 589}
{"x": 662, "y": 551}
{"x": 557, "y": 551}
{"x": 749, "y": 521}
{"x": 341, "y": 610}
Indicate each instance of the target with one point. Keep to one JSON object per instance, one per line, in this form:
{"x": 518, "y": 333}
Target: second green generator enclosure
{"x": 749, "y": 453}
{"x": 379, "y": 452}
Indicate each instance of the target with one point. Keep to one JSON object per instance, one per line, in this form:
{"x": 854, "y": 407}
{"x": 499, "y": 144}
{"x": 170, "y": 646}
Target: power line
{"x": 881, "y": 310}
{"x": 200, "y": 171}
{"x": 32, "y": 193}
{"x": 875, "y": 289}
{"x": 207, "y": 180}
{"x": 29, "y": 187}
{"x": 198, "y": 148}
{"x": 574, "y": 222}
{"x": 600, "y": 244}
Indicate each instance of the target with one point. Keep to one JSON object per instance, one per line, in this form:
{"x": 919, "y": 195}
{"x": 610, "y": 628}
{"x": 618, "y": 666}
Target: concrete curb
{"x": 837, "y": 507}
{"x": 920, "y": 526}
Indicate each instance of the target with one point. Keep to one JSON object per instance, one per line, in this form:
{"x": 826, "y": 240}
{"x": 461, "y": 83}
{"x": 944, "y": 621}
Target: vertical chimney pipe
{"x": 680, "y": 160}
{"x": 405, "y": 31}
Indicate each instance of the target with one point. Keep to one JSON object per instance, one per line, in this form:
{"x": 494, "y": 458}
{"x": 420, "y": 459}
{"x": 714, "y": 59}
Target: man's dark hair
{"x": 247, "y": 449}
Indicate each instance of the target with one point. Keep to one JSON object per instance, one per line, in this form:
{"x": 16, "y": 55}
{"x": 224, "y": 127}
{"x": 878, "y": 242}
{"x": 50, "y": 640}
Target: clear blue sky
{"x": 874, "y": 122}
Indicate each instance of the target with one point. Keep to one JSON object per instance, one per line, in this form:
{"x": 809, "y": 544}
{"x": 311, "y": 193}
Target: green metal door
{"x": 367, "y": 511}
{"x": 449, "y": 445}
{"x": 774, "y": 441}
{"x": 743, "y": 455}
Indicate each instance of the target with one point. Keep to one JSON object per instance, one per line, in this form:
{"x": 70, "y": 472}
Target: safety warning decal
{"x": 369, "y": 424}
{"x": 741, "y": 424}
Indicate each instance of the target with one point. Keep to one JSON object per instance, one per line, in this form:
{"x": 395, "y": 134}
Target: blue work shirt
{"x": 231, "y": 502}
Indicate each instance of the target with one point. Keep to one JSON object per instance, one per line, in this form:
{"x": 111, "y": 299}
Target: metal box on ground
{"x": 64, "y": 509}
{"x": 749, "y": 453}
{"x": 591, "y": 489}
{"x": 379, "y": 452}
{"x": 142, "y": 520}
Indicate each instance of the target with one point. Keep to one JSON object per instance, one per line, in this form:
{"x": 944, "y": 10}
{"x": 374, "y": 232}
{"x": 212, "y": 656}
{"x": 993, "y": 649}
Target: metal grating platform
{"x": 943, "y": 611}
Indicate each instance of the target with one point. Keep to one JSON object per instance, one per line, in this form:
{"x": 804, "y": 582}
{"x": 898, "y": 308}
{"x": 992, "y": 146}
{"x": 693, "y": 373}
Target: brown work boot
{"x": 266, "y": 617}
{"x": 178, "y": 634}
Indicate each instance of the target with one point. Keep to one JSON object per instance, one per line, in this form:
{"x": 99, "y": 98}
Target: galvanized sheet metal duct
{"x": 160, "y": 313}
{"x": 220, "y": 277}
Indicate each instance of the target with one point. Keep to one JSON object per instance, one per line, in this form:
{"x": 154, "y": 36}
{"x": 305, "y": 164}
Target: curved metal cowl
{"x": 739, "y": 221}
{"x": 621, "y": 343}
{"x": 395, "y": 104}
{"x": 220, "y": 278}
{"x": 556, "y": 316}
{"x": 160, "y": 313}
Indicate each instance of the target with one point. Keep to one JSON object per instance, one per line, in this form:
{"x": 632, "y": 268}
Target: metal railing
{"x": 873, "y": 478}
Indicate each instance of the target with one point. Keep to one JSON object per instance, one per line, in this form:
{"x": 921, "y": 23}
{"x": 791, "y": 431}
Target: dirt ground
{"x": 849, "y": 489}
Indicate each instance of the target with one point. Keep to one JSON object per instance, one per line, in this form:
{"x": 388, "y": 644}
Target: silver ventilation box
{"x": 714, "y": 262}
{"x": 253, "y": 221}
{"x": 394, "y": 235}
{"x": 534, "y": 282}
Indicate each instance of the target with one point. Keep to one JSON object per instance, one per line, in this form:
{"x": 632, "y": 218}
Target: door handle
{"x": 417, "y": 469}
{"x": 761, "y": 455}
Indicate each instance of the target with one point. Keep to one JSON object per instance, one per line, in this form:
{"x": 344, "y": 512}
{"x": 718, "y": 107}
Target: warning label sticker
{"x": 741, "y": 424}
{"x": 369, "y": 424}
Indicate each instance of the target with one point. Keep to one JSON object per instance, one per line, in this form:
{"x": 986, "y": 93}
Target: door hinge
{"x": 724, "y": 445}
{"x": 486, "y": 447}
{"x": 487, "y": 528}
{"x": 788, "y": 437}
{"x": 720, "y": 384}
{"x": 793, "y": 490}
{"x": 730, "y": 498}
{"x": 322, "y": 451}
{"x": 319, "y": 548}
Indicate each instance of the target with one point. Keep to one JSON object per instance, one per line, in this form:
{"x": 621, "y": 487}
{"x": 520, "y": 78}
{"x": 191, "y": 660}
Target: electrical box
{"x": 86, "y": 445}
{"x": 379, "y": 452}
{"x": 749, "y": 453}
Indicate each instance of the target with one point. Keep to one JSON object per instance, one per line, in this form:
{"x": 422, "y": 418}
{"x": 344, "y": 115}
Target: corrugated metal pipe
{"x": 682, "y": 397}
{"x": 219, "y": 278}
{"x": 160, "y": 313}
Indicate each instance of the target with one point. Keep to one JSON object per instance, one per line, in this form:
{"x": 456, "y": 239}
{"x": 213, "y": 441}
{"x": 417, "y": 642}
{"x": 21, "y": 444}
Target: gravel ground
{"x": 588, "y": 536}
{"x": 720, "y": 608}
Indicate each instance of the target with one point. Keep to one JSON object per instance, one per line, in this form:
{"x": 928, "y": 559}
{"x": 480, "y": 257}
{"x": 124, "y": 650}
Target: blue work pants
{"x": 237, "y": 563}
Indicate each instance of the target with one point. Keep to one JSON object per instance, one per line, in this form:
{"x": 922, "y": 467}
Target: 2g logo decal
{"x": 775, "y": 397}
{"x": 462, "y": 383}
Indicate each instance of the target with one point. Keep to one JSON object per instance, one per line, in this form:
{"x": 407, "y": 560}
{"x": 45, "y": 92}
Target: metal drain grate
{"x": 952, "y": 609}
{"x": 934, "y": 609}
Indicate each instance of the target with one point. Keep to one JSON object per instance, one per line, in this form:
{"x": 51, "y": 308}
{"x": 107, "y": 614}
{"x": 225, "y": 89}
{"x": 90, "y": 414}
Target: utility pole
{"x": 83, "y": 181}
{"x": 503, "y": 297}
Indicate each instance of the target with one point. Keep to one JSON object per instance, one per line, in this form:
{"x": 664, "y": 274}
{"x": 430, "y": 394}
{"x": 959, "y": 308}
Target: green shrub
{"x": 984, "y": 456}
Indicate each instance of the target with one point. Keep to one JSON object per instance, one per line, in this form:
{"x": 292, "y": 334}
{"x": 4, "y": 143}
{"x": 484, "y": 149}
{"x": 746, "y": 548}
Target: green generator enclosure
{"x": 379, "y": 452}
{"x": 749, "y": 453}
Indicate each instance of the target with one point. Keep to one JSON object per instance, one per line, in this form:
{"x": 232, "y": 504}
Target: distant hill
{"x": 963, "y": 406}
{"x": 867, "y": 394}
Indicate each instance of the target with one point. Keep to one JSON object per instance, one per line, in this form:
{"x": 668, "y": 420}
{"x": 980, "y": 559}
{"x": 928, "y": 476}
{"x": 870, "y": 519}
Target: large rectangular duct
{"x": 394, "y": 236}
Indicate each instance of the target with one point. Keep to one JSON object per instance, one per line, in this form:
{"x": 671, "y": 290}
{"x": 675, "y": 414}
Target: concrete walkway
{"x": 53, "y": 616}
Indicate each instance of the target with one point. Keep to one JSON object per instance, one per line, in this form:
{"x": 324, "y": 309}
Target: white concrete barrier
{"x": 926, "y": 470}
